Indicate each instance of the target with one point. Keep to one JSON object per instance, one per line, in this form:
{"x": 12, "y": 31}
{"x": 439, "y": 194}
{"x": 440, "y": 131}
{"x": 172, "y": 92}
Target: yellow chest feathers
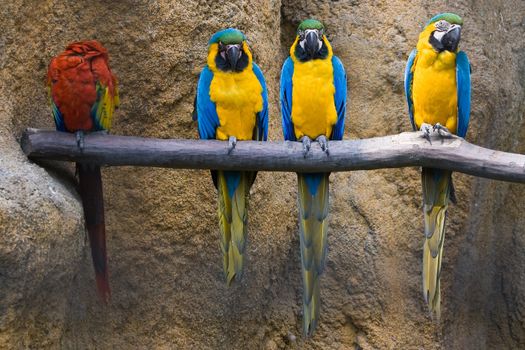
{"x": 238, "y": 97}
{"x": 313, "y": 106}
{"x": 434, "y": 90}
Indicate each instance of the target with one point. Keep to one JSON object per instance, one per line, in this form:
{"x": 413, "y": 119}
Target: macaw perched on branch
{"x": 313, "y": 107}
{"x": 83, "y": 96}
{"x": 232, "y": 104}
{"x": 437, "y": 87}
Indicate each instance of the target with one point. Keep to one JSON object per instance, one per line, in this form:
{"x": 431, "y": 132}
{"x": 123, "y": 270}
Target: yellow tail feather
{"x": 233, "y": 219}
{"x": 436, "y": 194}
{"x": 313, "y": 225}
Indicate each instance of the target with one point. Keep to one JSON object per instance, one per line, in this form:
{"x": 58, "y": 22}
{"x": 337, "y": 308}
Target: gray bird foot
{"x": 442, "y": 131}
{"x": 307, "y": 143}
{"x": 232, "y": 142}
{"x": 427, "y": 130}
{"x": 323, "y": 142}
{"x": 80, "y": 140}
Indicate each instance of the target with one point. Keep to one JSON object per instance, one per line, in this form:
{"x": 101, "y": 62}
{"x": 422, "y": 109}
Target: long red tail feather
{"x": 93, "y": 202}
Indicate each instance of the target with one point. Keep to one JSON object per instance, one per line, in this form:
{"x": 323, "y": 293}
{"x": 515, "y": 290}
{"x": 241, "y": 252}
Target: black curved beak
{"x": 233, "y": 55}
{"x": 450, "y": 40}
{"x": 311, "y": 44}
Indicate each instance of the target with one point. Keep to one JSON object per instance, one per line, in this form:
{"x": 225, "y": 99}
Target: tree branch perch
{"x": 395, "y": 151}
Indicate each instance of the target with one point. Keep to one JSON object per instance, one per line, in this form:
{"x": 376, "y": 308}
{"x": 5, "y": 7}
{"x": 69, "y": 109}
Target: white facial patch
{"x": 237, "y": 46}
{"x": 308, "y": 31}
{"x": 319, "y": 40}
{"x": 439, "y": 35}
{"x": 454, "y": 26}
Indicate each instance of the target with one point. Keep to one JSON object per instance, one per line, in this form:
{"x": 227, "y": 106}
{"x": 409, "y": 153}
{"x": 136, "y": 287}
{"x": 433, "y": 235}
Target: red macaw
{"x": 83, "y": 96}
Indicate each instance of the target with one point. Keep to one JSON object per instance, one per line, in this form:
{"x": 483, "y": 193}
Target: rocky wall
{"x": 165, "y": 262}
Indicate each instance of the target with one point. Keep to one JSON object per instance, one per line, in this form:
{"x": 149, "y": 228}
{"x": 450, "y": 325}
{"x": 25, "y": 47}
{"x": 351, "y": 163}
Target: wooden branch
{"x": 395, "y": 151}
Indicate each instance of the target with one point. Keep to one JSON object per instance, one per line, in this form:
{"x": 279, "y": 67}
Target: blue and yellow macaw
{"x": 437, "y": 87}
{"x": 313, "y": 107}
{"x": 232, "y": 104}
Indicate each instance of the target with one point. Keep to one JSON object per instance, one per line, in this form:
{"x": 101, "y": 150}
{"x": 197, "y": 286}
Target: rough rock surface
{"x": 168, "y": 288}
{"x": 41, "y": 242}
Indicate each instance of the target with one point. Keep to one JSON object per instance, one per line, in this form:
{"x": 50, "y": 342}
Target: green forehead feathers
{"x": 228, "y": 36}
{"x": 451, "y": 18}
{"x": 310, "y": 24}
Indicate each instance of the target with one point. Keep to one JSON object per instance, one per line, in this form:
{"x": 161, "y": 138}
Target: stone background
{"x": 165, "y": 264}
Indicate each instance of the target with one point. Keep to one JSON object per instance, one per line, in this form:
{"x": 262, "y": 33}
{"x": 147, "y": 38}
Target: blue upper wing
{"x": 463, "y": 90}
{"x": 339, "y": 98}
{"x": 262, "y": 116}
{"x": 408, "y": 86}
{"x": 286, "y": 99}
{"x": 206, "y": 110}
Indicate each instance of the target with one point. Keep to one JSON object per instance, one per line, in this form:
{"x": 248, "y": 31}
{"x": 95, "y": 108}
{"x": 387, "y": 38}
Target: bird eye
{"x": 301, "y": 34}
{"x": 442, "y": 25}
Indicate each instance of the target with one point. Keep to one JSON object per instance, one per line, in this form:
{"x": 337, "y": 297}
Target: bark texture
{"x": 393, "y": 151}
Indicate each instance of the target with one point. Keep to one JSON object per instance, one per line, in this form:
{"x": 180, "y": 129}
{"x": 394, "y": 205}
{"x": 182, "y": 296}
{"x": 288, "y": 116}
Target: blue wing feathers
{"x": 262, "y": 117}
{"x": 339, "y": 98}
{"x": 207, "y": 117}
{"x": 408, "y": 86}
{"x": 59, "y": 119}
{"x": 286, "y": 99}
{"x": 463, "y": 91}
